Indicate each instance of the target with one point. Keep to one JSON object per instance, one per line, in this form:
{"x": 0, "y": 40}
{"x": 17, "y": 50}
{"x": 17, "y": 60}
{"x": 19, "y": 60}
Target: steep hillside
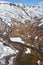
{"x": 23, "y": 24}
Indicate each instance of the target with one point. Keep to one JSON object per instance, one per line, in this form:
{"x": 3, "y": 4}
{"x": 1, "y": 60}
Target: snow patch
{"x": 38, "y": 62}
{"x": 5, "y": 50}
{"x": 11, "y": 61}
{"x": 16, "y": 39}
{"x": 29, "y": 35}
{"x": 40, "y": 24}
{"x": 36, "y": 37}
{"x": 28, "y": 51}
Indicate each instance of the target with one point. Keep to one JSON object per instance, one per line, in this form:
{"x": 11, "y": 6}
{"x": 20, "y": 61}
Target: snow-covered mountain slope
{"x": 9, "y": 12}
{"x": 20, "y": 12}
{"x": 3, "y": 50}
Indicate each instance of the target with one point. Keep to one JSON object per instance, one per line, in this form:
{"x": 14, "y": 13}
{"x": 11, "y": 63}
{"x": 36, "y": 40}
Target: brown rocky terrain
{"x": 32, "y": 35}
